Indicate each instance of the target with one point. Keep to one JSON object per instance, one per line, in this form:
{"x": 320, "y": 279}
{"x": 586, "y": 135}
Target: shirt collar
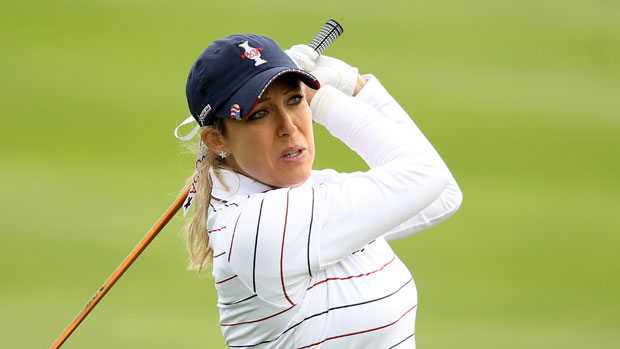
{"x": 239, "y": 184}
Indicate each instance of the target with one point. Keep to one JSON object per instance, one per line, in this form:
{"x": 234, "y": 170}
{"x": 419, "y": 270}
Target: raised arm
{"x": 450, "y": 199}
{"x": 406, "y": 176}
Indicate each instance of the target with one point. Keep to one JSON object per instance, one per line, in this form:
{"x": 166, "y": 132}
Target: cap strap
{"x": 190, "y": 135}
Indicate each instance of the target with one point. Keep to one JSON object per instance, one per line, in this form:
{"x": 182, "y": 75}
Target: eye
{"x": 295, "y": 99}
{"x": 259, "y": 114}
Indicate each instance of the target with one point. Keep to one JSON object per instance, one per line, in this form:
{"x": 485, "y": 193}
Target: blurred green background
{"x": 521, "y": 98}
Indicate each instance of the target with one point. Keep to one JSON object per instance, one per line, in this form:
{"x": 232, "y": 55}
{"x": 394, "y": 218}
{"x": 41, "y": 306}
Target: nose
{"x": 287, "y": 126}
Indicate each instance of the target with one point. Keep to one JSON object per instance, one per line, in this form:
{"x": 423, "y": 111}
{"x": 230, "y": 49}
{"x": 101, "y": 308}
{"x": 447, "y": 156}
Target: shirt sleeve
{"x": 406, "y": 175}
{"x": 451, "y": 197}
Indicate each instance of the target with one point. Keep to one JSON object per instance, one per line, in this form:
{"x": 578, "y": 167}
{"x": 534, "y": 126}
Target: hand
{"x": 328, "y": 70}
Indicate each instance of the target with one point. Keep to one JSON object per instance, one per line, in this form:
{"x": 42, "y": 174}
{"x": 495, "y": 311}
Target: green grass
{"x": 520, "y": 98}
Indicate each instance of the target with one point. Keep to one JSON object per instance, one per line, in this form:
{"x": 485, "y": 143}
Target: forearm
{"x": 361, "y": 82}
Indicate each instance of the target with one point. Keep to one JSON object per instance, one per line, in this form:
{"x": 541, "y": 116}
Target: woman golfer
{"x": 300, "y": 257}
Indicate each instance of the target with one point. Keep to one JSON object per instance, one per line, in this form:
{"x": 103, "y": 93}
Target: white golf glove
{"x": 330, "y": 71}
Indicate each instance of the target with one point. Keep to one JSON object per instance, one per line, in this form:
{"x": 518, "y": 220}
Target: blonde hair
{"x": 195, "y": 230}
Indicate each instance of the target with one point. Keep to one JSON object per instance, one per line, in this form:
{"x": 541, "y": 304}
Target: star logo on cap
{"x": 252, "y": 53}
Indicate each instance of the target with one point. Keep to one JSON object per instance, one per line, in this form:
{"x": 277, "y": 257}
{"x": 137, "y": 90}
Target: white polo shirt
{"x": 310, "y": 267}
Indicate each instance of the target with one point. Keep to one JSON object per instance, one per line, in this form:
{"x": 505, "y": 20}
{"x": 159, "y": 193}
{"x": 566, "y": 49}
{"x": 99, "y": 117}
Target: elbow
{"x": 454, "y": 199}
{"x": 451, "y": 195}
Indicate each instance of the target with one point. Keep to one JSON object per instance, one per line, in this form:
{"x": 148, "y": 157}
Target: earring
{"x": 223, "y": 154}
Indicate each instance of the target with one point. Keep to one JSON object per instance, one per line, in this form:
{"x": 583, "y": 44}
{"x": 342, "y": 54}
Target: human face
{"x": 274, "y": 144}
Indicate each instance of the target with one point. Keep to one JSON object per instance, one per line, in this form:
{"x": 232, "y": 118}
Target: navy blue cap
{"x": 231, "y": 75}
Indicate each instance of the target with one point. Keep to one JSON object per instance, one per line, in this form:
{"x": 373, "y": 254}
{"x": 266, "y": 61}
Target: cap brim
{"x": 242, "y": 102}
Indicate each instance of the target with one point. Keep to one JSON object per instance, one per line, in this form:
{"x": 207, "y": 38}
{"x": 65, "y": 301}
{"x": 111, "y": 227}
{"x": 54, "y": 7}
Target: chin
{"x": 293, "y": 181}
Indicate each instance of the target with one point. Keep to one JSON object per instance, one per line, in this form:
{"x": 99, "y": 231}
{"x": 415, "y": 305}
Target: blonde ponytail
{"x": 195, "y": 230}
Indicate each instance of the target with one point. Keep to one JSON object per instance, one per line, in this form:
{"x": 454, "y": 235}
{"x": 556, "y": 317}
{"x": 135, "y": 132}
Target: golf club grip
{"x": 326, "y": 36}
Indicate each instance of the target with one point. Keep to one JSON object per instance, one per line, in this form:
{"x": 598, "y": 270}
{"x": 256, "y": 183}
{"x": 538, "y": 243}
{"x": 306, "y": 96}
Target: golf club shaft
{"x": 146, "y": 240}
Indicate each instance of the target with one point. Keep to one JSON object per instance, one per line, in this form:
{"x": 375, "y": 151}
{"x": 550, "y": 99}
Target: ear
{"x": 213, "y": 139}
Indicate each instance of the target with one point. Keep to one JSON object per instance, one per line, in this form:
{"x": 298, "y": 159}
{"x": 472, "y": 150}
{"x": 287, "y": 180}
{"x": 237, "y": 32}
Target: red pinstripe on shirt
{"x": 354, "y": 276}
{"x": 282, "y": 251}
{"x": 216, "y": 230}
{"x": 223, "y": 281}
{"x": 360, "y": 332}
